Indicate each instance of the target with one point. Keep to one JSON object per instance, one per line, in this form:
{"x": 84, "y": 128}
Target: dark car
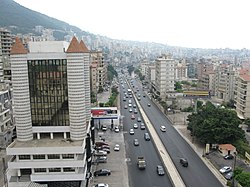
{"x": 229, "y": 175}
{"x": 146, "y": 136}
{"x": 149, "y": 104}
{"x": 98, "y": 144}
{"x": 228, "y": 157}
{"x": 160, "y": 170}
{"x": 184, "y": 162}
{"x": 102, "y": 172}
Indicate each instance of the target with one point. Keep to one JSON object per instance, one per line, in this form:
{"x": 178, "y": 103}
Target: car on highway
{"x": 134, "y": 106}
{"x": 101, "y": 185}
{"x": 225, "y": 169}
{"x": 184, "y": 162}
{"x": 131, "y": 132}
{"x": 146, "y": 136}
{"x": 124, "y": 98}
{"x": 143, "y": 127}
{"x": 228, "y": 157}
{"x": 163, "y": 128}
{"x": 149, "y": 104}
{"x": 139, "y": 119}
{"x": 160, "y": 170}
{"x": 135, "y": 111}
{"x": 136, "y": 142}
{"x": 125, "y": 106}
{"x": 117, "y": 147}
{"x": 102, "y": 172}
{"x": 130, "y": 105}
{"x": 135, "y": 126}
{"x": 132, "y": 117}
{"x": 130, "y": 110}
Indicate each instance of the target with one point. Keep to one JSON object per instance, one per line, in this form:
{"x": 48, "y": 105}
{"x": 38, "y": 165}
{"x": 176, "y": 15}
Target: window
{"x": 54, "y": 169}
{"x": 40, "y": 170}
{"x": 39, "y": 157}
{"x": 24, "y": 157}
{"x": 68, "y": 169}
{"x": 54, "y": 156}
{"x": 68, "y": 156}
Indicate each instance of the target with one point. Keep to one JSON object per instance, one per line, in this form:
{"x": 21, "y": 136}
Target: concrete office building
{"x": 52, "y": 111}
{"x": 164, "y": 75}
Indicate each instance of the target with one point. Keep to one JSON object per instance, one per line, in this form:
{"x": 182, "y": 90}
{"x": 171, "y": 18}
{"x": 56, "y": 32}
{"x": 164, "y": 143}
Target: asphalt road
{"x": 149, "y": 176}
{"x": 197, "y": 173}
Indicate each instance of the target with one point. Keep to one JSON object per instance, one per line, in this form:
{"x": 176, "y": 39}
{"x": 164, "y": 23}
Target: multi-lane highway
{"x": 196, "y": 174}
{"x": 149, "y": 176}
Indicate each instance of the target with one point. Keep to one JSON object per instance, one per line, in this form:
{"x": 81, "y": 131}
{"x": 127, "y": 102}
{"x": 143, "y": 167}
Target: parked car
{"x": 101, "y": 159}
{"x": 98, "y": 144}
{"x": 117, "y": 147}
{"x": 105, "y": 149}
{"x": 248, "y": 129}
{"x": 184, "y": 162}
{"x": 143, "y": 126}
{"x": 163, "y": 128}
{"x": 136, "y": 142}
{"x": 117, "y": 129}
{"x": 135, "y": 126}
{"x": 100, "y": 153}
{"x": 104, "y": 128}
{"x": 146, "y": 136}
{"x": 229, "y": 175}
{"x": 101, "y": 185}
{"x": 225, "y": 169}
{"x": 228, "y": 157}
{"x": 102, "y": 147}
{"x": 160, "y": 170}
{"x": 102, "y": 172}
{"x": 131, "y": 131}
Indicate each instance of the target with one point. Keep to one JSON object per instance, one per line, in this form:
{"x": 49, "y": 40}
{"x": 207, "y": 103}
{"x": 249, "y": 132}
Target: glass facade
{"x": 48, "y": 92}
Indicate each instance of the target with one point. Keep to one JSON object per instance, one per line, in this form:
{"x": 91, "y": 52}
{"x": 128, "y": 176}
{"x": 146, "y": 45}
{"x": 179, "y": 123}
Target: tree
{"x": 247, "y": 122}
{"x": 243, "y": 178}
{"x": 111, "y": 72}
{"x": 177, "y": 86}
{"x": 215, "y": 125}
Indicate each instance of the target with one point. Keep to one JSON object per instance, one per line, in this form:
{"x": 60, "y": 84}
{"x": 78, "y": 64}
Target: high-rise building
{"x": 51, "y": 98}
{"x": 5, "y": 46}
{"x": 225, "y": 82}
{"x": 242, "y": 94}
{"x": 164, "y": 75}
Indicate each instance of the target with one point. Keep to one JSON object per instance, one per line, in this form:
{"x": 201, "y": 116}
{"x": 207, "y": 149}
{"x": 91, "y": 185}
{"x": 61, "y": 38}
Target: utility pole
{"x": 4, "y": 173}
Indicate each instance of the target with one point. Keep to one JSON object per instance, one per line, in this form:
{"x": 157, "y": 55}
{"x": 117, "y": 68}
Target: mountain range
{"x": 19, "y": 19}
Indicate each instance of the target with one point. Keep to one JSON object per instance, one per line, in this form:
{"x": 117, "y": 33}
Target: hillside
{"x": 19, "y": 19}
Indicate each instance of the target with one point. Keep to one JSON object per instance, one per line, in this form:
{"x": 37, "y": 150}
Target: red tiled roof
{"x": 245, "y": 77}
{"x": 228, "y": 147}
{"x": 84, "y": 47}
{"x": 74, "y": 46}
{"x": 18, "y": 47}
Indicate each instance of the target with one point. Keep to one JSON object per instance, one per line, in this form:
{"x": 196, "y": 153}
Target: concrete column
{"x": 51, "y": 136}
{"x": 38, "y": 136}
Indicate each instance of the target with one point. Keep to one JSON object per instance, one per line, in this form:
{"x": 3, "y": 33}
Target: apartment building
{"x": 150, "y": 75}
{"x": 181, "y": 71}
{"x": 51, "y": 95}
{"x": 6, "y": 116}
{"x": 208, "y": 81}
{"x": 98, "y": 71}
{"x": 203, "y": 67}
{"x": 225, "y": 82}
{"x": 144, "y": 66}
{"x": 164, "y": 79}
{"x": 242, "y": 94}
{"x": 5, "y": 46}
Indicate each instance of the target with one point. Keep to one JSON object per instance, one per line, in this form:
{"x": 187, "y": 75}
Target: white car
{"x": 117, "y": 129}
{"x": 135, "y": 126}
{"x": 131, "y": 131}
{"x": 225, "y": 169}
{"x": 117, "y": 147}
{"x": 163, "y": 128}
{"x": 101, "y": 185}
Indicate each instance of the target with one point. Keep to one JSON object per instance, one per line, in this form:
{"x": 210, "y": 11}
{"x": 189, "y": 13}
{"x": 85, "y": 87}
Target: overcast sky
{"x": 186, "y": 23}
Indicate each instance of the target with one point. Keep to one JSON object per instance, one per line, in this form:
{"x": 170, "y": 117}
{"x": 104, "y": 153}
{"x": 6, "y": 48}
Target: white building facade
{"x": 52, "y": 112}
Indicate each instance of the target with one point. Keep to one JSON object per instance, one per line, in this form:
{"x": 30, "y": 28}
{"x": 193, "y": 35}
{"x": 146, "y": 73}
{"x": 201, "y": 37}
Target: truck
{"x": 141, "y": 162}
